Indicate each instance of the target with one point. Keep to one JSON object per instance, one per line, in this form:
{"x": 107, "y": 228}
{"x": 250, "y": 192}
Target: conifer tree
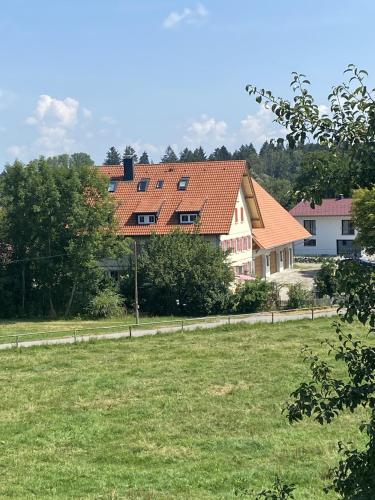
{"x": 144, "y": 159}
{"x": 112, "y": 157}
{"x": 169, "y": 156}
{"x": 199, "y": 154}
{"x": 130, "y": 151}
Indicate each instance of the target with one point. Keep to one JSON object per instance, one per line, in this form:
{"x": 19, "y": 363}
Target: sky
{"x": 83, "y": 75}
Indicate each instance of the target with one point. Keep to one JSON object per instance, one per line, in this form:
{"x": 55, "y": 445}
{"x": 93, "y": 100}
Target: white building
{"x": 330, "y": 225}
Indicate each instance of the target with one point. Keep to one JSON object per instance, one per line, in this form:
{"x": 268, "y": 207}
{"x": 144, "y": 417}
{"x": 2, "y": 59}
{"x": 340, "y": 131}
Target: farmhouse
{"x": 232, "y": 209}
{"x": 330, "y": 225}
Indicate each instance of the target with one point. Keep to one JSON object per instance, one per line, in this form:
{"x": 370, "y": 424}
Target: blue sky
{"x": 82, "y": 75}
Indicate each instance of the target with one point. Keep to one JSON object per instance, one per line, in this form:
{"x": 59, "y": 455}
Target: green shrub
{"x": 299, "y": 296}
{"x": 256, "y": 295}
{"x": 106, "y": 304}
{"x": 325, "y": 280}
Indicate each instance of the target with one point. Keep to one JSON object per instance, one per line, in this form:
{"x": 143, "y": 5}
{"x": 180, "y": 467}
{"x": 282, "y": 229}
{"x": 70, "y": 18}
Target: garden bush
{"x": 256, "y": 295}
{"x": 298, "y": 296}
{"x": 326, "y": 280}
{"x": 106, "y": 304}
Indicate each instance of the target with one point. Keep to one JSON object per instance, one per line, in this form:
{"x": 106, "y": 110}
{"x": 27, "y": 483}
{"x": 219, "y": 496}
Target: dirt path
{"x": 133, "y": 332}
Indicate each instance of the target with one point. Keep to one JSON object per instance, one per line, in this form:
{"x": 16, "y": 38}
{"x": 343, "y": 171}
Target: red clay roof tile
{"x": 329, "y": 207}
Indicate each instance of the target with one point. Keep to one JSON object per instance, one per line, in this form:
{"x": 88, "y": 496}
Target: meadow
{"x": 194, "y": 415}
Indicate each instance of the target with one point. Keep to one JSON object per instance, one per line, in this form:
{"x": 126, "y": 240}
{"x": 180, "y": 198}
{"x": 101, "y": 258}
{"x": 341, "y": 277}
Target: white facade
{"x": 329, "y": 236}
{"x": 239, "y": 239}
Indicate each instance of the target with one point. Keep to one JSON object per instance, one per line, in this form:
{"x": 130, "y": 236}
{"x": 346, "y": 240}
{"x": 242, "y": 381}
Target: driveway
{"x": 303, "y": 273}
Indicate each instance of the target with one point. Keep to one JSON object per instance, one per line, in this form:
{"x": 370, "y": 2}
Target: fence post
{"x": 17, "y": 341}
{"x": 75, "y": 336}
{"x": 312, "y": 312}
{"x": 182, "y": 326}
{"x": 272, "y": 315}
{"x": 228, "y": 320}
{"x": 130, "y": 331}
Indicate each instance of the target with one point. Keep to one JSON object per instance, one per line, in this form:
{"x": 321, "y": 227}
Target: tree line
{"x": 280, "y": 169}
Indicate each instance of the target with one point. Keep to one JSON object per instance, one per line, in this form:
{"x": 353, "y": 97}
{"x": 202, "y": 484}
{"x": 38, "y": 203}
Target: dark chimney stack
{"x": 128, "y": 163}
{"x": 339, "y": 197}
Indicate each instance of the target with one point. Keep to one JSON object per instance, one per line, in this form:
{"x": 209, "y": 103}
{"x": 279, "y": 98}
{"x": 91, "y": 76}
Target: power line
{"x": 37, "y": 258}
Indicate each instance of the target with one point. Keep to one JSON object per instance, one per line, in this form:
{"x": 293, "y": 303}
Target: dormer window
{"x": 143, "y": 185}
{"x": 159, "y": 183}
{"x": 183, "y": 183}
{"x": 112, "y": 186}
{"x": 145, "y": 219}
{"x": 188, "y": 218}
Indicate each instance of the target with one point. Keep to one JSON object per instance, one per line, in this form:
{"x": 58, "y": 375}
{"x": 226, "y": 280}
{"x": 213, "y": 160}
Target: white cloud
{"x": 260, "y": 127}
{"x": 187, "y": 15}
{"x": 64, "y": 112}
{"x": 55, "y": 121}
{"x": 206, "y": 131}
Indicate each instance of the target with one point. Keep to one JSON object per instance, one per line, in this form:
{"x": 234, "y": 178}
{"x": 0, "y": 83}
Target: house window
{"x": 347, "y": 227}
{"x": 309, "y": 243}
{"x": 112, "y": 186}
{"x": 236, "y": 215}
{"x": 346, "y": 247}
{"x": 267, "y": 261}
{"x": 281, "y": 256}
{"x": 183, "y": 183}
{"x": 188, "y": 218}
{"x": 310, "y": 226}
{"x": 143, "y": 185}
{"x": 146, "y": 219}
{"x": 242, "y": 216}
{"x": 159, "y": 184}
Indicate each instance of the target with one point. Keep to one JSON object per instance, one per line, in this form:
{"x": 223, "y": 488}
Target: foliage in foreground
{"x": 349, "y": 127}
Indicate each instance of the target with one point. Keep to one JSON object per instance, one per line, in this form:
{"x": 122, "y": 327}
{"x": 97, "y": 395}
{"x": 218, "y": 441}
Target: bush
{"x": 299, "y": 296}
{"x": 106, "y": 304}
{"x": 325, "y": 280}
{"x": 182, "y": 273}
{"x": 256, "y": 295}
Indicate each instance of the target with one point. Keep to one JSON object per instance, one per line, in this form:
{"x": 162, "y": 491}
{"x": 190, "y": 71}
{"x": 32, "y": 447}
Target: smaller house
{"x": 330, "y": 225}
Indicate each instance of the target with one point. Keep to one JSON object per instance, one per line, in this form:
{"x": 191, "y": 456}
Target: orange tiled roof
{"x": 279, "y": 226}
{"x": 191, "y": 205}
{"x": 216, "y": 183}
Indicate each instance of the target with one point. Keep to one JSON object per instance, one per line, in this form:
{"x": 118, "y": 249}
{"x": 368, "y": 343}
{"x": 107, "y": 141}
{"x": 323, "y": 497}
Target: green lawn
{"x": 193, "y": 416}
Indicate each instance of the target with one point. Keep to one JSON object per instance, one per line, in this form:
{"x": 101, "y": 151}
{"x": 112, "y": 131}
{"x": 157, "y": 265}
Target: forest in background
{"x": 279, "y": 169}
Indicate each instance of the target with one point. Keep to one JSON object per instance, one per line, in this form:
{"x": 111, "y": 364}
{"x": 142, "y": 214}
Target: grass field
{"x": 193, "y": 416}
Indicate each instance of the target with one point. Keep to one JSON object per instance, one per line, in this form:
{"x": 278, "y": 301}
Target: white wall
{"x": 239, "y": 229}
{"x": 328, "y": 230}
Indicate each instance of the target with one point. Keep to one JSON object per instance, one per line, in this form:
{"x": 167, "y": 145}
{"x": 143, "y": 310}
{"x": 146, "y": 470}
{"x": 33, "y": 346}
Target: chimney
{"x": 128, "y": 162}
{"x": 339, "y": 197}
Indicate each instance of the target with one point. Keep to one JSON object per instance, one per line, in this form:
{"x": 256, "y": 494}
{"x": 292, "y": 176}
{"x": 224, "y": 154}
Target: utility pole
{"x": 136, "y": 283}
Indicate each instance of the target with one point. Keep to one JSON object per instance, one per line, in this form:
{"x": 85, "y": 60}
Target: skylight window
{"x": 112, "y": 186}
{"x": 183, "y": 183}
{"x": 159, "y": 183}
{"x": 143, "y": 185}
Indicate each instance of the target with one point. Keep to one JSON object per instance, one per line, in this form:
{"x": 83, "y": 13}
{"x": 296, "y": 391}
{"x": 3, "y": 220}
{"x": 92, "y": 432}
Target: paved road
{"x": 254, "y": 318}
